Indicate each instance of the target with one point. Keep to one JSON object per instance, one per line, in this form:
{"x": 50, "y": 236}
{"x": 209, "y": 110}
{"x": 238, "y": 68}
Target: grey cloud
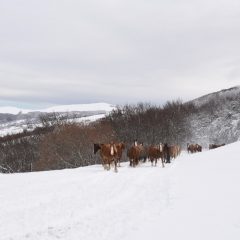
{"x": 117, "y": 51}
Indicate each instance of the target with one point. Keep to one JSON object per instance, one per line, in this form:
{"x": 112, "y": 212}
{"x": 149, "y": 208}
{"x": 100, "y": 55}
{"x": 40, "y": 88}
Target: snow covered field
{"x": 195, "y": 197}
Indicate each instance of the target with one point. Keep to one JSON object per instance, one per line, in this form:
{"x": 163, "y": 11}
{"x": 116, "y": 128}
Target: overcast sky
{"x": 116, "y": 51}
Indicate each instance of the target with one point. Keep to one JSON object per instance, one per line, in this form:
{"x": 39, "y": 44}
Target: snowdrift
{"x": 195, "y": 197}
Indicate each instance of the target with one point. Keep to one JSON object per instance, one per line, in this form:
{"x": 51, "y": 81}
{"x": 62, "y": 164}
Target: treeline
{"x": 63, "y": 143}
{"x": 153, "y": 124}
{"x": 59, "y": 145}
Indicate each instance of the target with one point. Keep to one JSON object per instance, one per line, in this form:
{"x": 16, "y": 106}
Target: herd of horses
{"x": 192, "y": 148}
{"x": 111, "y": 153}
{"x": 212, "y": 146}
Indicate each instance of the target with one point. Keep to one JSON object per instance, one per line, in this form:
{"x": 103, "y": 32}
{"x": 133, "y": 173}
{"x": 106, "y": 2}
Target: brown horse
{"x": 156, "y": 152}
{"x": 120, "y": 148}
{"x": 199, "y": 148}
{"x": 178, "y": 149}
{"x": 143, "y": 152}
{"x": 108, "y": 153}
{"x": 173, "y": 150}
{"x": 134, "y": 153}
{"x": 192, "y": 148}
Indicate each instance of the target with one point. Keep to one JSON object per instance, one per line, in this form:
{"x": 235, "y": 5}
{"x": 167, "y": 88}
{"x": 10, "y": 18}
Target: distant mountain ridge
{"x": 61, "y": 108}
{"x": 15, "y": 120}
{"x": 222, "y": 94}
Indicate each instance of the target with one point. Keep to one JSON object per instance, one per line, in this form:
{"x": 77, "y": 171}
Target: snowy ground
{"x": 196, "y": 197}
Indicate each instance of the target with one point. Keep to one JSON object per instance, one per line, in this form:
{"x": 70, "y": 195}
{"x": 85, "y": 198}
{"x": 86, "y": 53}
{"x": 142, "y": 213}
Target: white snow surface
{"x": 197, "y": 196}
{"x": 62, "y": 108}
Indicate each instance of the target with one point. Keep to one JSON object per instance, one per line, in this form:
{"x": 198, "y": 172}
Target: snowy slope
{"x": 233, "y": 92}
{"x": 219, "y": 118}
{"x": 196, "y": 197}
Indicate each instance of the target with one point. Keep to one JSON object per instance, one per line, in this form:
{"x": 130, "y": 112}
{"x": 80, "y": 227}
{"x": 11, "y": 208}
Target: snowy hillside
{"x": 219, "y": 118}
{"x": 233, "y": 92}
{"x": 14, "y": 120}
{"x": 196, "y": 197}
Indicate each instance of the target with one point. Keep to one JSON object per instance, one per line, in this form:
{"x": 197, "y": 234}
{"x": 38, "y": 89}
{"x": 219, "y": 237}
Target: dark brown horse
{"x": 166, "y": 153}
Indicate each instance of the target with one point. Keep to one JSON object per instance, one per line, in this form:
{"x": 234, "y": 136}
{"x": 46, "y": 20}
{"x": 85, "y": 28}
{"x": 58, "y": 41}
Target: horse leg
{"x": 137, "y": 161}
{"x": 108, "y": 165}
{"x": 162, "y": 163}
{"x": 119, "y": 162}
{"x": 115, "y": 164}
{"x": 104, "y": 164}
